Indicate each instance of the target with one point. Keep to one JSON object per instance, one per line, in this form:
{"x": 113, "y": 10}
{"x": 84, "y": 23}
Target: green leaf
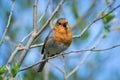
{"x": 86, "y": 35}
{"x": 3, "y": 69}
{"x": 16, "y": 69}
{"x": 108, "y": 18}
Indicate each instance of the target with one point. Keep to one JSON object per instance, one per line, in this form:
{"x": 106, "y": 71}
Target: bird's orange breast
{"x": 63, "y": 35}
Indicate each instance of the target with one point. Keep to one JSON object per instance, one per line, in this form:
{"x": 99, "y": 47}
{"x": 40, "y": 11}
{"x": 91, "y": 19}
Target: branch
{"x": 24, "y": 53}
{"x": 32, "y": 46}
{"x": 25, "y": 37}
{"x": 95, "y": 20}
{"x": 35, "y": 15}
{"x": 76, "y": 51}
{"x": 8, "y": 24}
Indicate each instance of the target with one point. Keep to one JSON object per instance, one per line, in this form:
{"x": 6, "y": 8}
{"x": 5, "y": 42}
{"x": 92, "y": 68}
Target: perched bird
{"x": 58, "y": 40}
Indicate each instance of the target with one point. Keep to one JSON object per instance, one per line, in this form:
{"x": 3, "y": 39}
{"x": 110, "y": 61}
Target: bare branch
{"x": 95, "y": 50}
{"x": 32, "y": 46}
{"x": 25, "y": 37}
{"x": 12, "y": 55}
{"x": 24, "y": 53}
{"x": 35, "y": 15}
{"x": 8, "y": 23}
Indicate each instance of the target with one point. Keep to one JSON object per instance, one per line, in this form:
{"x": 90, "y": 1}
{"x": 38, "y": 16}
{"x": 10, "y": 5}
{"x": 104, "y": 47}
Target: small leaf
{"x": 3, "y": 69}
{"x": 108, "y": 18}
{"x": 16, "y": 69}
{"x": 86, "y": 35}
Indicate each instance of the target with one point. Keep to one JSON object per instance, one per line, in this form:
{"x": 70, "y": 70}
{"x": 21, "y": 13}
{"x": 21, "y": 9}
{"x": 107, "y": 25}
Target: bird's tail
{"x": 41, "y": 66}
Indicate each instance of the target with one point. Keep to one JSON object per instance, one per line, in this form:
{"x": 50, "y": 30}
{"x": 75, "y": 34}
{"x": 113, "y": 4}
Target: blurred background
{"x": 100, "y": 65}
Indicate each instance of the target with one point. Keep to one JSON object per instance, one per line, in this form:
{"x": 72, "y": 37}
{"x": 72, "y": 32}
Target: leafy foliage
{"x": 15, "y": 69}
{"x": 3, "y": 69}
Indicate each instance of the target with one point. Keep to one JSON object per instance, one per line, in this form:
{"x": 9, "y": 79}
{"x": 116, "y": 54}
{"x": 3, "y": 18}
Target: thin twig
{"x": 24, "y": 53}
{"x": 32, "y": 46}
{"x": 8, "y": 23}
{"x": 25, "y": 37}
{"x": 96, "y": 19}
{"x": 13, "y": 55}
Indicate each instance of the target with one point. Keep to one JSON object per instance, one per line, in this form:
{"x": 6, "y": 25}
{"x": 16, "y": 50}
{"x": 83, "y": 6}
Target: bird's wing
{"x": 46, "y": 39}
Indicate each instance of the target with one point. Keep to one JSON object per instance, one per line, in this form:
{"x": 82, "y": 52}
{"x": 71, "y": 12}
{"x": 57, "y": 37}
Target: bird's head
{"x": 62, "y": 22}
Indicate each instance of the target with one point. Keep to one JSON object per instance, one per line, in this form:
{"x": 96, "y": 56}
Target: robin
{"x": 58, "y": 40}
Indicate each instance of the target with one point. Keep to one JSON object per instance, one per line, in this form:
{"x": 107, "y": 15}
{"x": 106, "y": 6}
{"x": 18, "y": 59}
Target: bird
{"x": 57, "y": 41}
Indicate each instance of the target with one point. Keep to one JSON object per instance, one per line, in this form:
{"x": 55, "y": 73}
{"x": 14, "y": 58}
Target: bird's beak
{"x": 65, "y": 25}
